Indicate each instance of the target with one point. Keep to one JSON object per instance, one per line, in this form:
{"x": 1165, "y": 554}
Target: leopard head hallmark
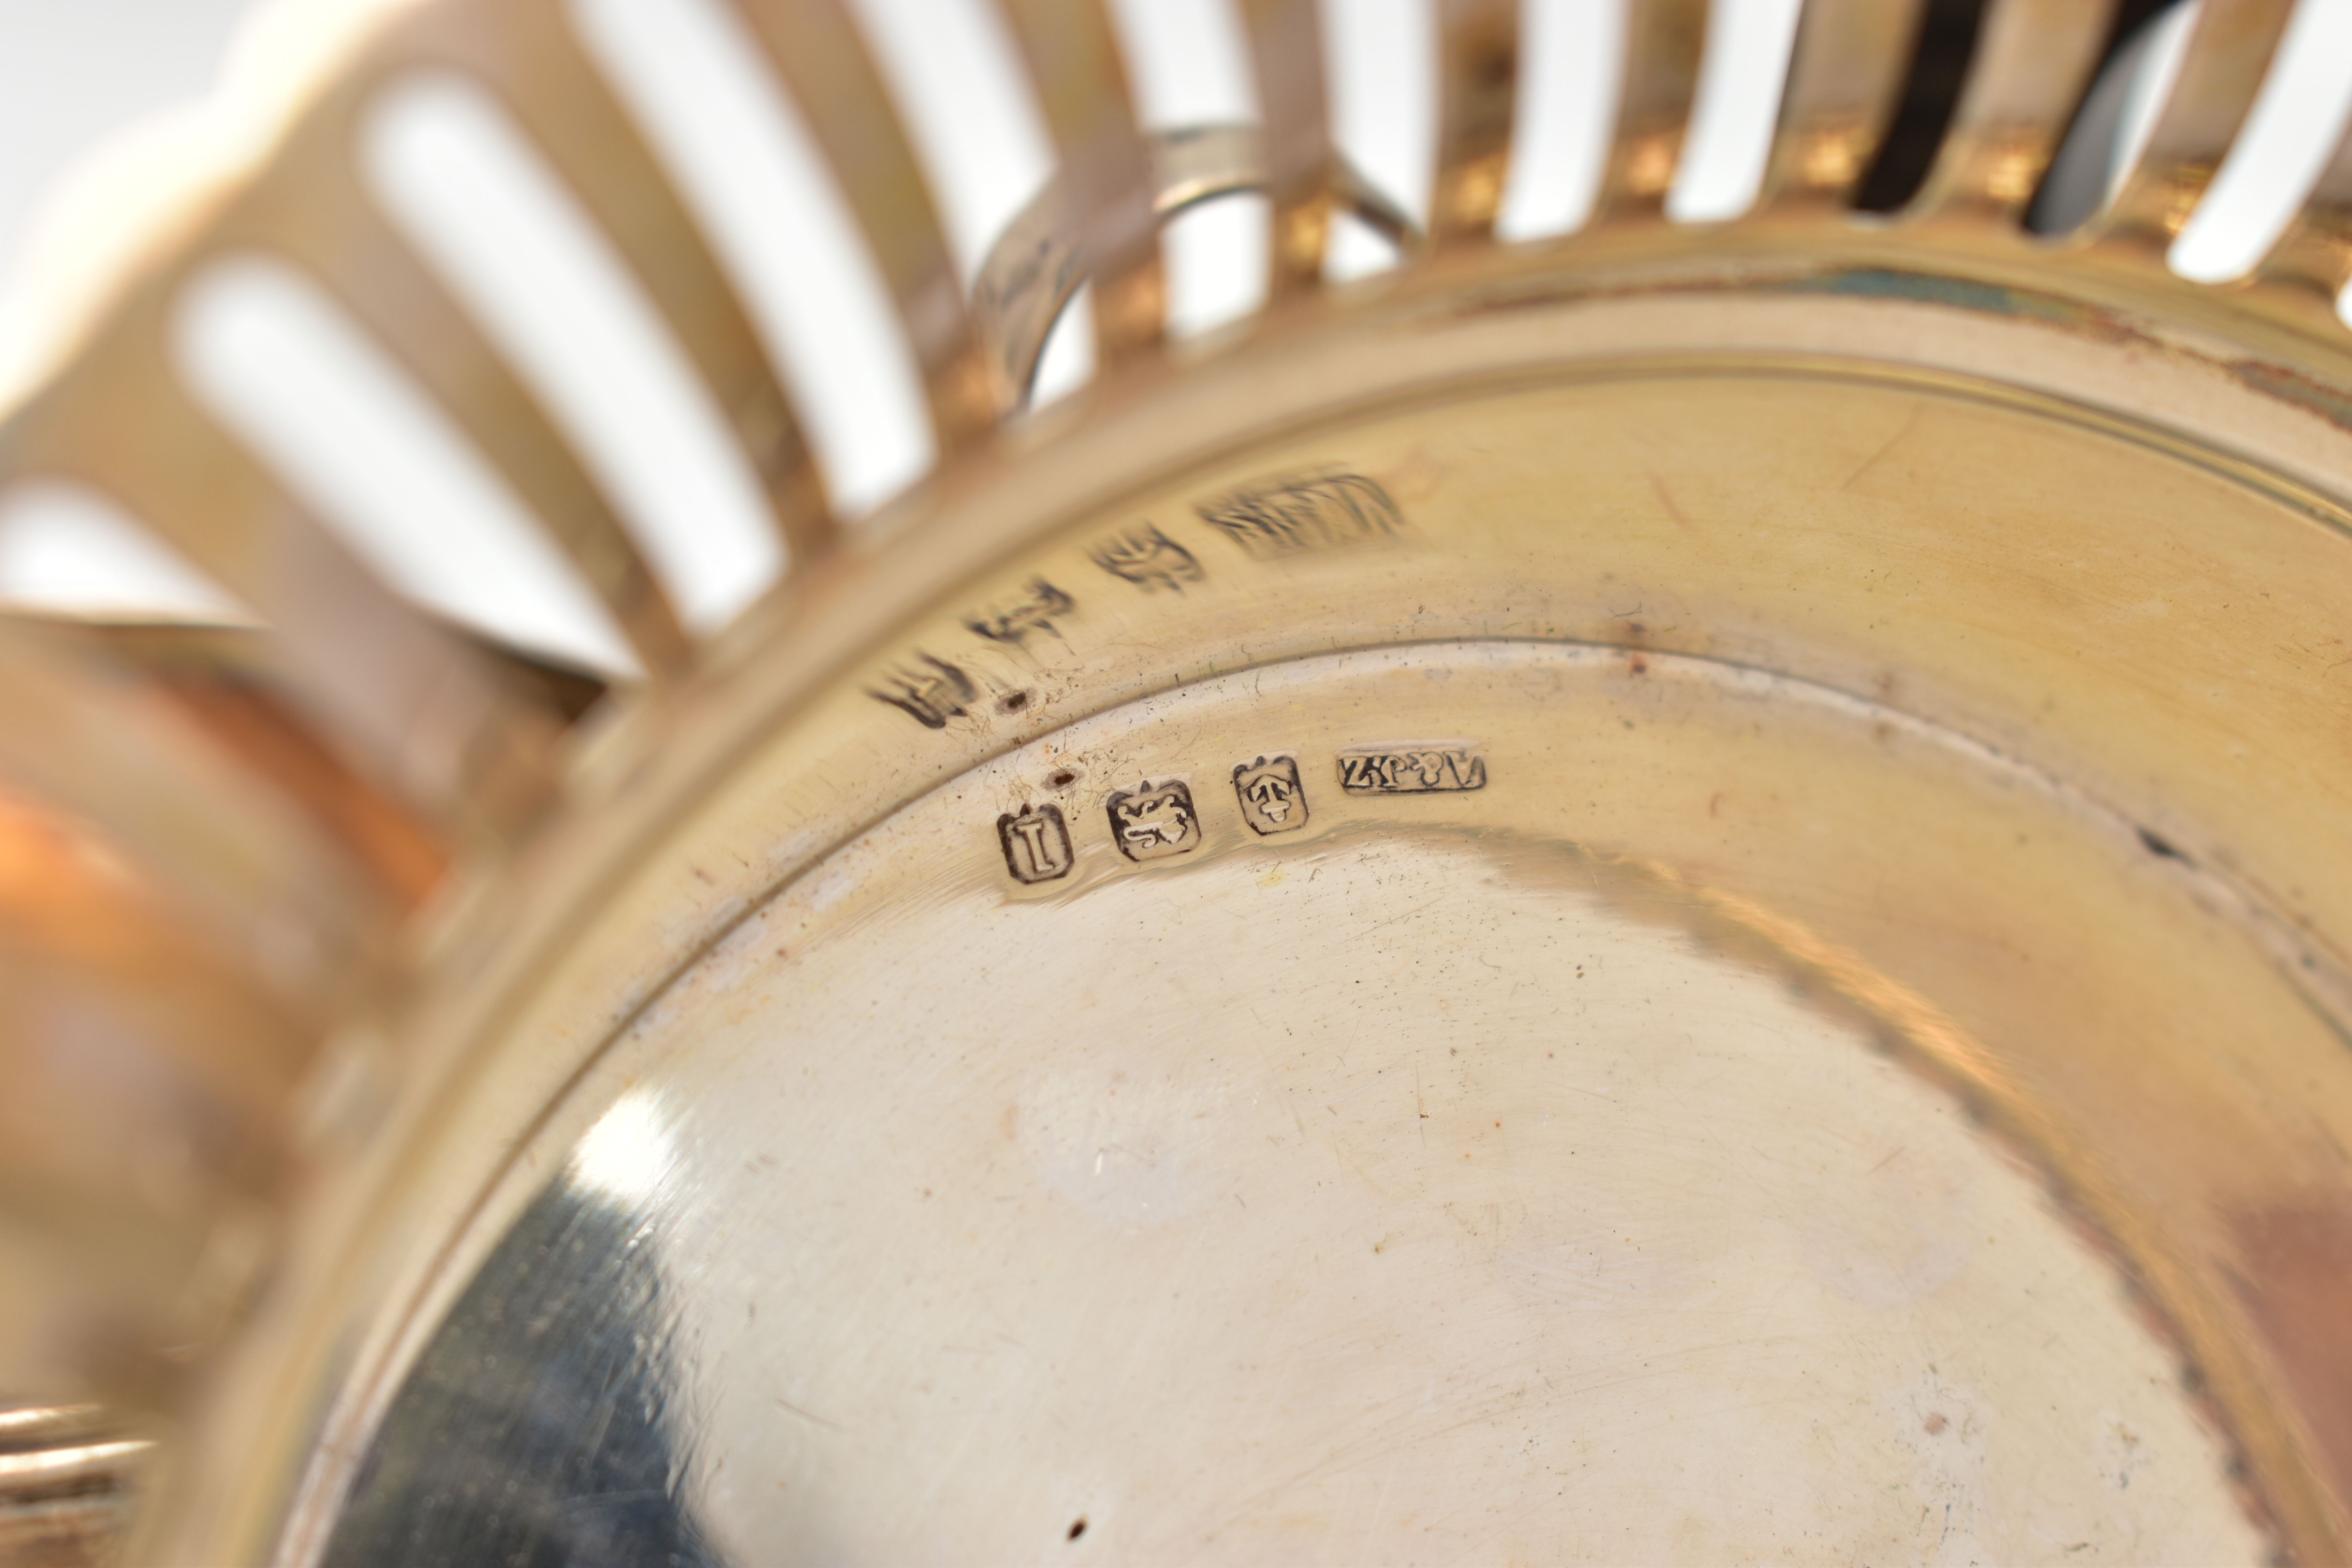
{"x": 1151, "y": 822}
{"x": 1272, "y": 799}
{"x": 1036, "y": 844}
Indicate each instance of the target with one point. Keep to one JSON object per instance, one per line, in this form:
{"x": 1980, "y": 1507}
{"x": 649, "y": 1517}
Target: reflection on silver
{"x": 539, "y": 1430}
{"x": 1390, "y": 1189}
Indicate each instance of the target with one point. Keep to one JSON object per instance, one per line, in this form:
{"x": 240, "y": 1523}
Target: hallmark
{"x": 1296, "y": 516}
{"x": 1036, "y": 843}
{"x": 1034, "y": 609}
{"x": 1272, "y": 799}
{"x": 933, "y": 693}
{"x": 1148, "y": 559}
{"x": 1412, "y": 770}
{"x": 1151, "y": 822}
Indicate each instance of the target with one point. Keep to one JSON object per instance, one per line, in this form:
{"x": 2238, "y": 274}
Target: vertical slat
{"x": 1664, "y": 40}
{"x": 525, "y": 51}
{"x": 2034, "y": 60}
{"x": 815, "y": 49}
{"x": 1105, "y": 186}
{"x": 419, "y": 710}
{"x": 1285, "y": 41}
{"x": 1845, "y": 76}
{"x": 2229, "y": 49}
{"x": 313, "y": 212}
{"x": 1478, "y": 85}
{"x": 2315, "y": 251}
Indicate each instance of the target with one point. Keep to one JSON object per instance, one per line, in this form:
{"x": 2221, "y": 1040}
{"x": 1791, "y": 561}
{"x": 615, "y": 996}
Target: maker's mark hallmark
{"x": 1410, "y": 770}
{"x": 1272, "y": 799}
{"x": 1036, "y": 844}
{"x": 1151, "y": 822}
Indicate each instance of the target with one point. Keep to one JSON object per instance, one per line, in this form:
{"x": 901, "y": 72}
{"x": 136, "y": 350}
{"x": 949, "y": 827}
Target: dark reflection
{"x": 536, "y": 1429}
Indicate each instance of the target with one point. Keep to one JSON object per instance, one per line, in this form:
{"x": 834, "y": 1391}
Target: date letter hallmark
{"x": 1036, "y": 843}
{"x": 1296, "y": 516}
{"x": 1034, "y": 609}
{"x": 1148, "y": 559}
{"x": 1410, "y": 770}
{"x": 1272, "y": 799}
{"x": 1152, "y": 822}
{"x": 933, "y": 690}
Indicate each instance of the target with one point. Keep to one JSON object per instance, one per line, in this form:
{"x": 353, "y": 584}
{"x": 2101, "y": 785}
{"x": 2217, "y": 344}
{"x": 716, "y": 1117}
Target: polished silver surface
{"x": 1408, "y": 1183}
{"x": 1661, "y": 871}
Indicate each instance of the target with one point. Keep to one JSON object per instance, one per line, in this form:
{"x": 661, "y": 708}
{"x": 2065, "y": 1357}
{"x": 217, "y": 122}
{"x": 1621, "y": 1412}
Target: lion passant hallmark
{"x": 1151, "y": 822}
